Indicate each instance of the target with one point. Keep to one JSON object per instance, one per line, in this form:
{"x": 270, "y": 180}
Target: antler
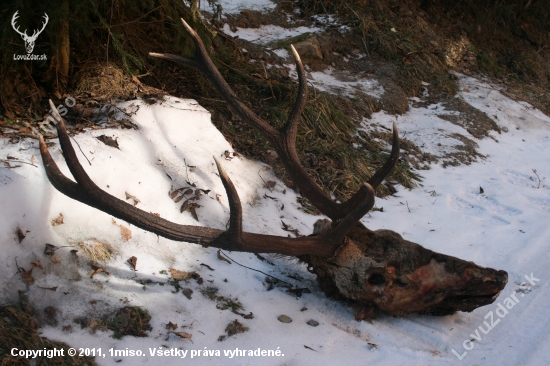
{"x": 284, "y": 140}
{"x": 13, "y": 19}
{"x": 373, "y": 270}
{"x": 87, "y": 192}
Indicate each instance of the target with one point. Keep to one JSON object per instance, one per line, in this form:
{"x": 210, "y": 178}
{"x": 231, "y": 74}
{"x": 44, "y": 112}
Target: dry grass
{"x": 97, "y": 251}
{"x": 104, "y": 82}
{"x": 18, "y": 330}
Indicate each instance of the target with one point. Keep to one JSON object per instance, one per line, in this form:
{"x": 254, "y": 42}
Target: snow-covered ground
{"x": 505, "y": 227}
{"x": 236, "y": 6}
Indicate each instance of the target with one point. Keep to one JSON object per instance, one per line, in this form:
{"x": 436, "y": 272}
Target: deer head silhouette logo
{"x": 29, "y": 40}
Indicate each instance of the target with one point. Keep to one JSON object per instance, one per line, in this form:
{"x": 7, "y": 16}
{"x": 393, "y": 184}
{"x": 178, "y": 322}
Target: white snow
{"x": 506, "y": 227}
{"x": 342, "y": 83}
{"x": 268, "y": 33}
{"x": 236, "y": 6}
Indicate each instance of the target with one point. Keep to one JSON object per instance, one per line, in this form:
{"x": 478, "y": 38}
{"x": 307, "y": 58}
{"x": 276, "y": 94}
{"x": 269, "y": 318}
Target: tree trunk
{"x": 63, "y": 50}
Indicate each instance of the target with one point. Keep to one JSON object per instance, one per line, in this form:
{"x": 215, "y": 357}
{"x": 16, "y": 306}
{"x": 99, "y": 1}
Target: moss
{"x": 130, "y": 320}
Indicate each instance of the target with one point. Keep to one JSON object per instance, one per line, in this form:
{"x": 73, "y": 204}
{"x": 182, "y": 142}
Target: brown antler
{"x": 87, "y": 192}
{"x": 284, "y": 139}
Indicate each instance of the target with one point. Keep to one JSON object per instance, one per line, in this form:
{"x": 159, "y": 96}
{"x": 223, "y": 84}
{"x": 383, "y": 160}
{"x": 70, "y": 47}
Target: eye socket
{"x": 400, "y": 283}
{"x": 377, "y": 279}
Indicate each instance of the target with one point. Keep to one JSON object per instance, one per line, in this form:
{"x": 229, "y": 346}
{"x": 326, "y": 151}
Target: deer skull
{"x": 379, "y": 271}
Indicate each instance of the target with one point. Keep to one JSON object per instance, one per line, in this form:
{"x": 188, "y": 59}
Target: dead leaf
{"x": 20, "y": 235}
{"x": 58, "y": 221}
{"x": 197, "y": 277}
{"x": 172, "y": 326}
{"x": 185, "y": 206}
{"x": 180, "y": 275}
{"x": 56, "y": 259}
{"x": 188, "y": 191}
{"x": 33, "y": 160}
{"x": 133, "y": 261}
{"x": 36, "y": 263}
{"x": 109, "y": 141}
{"x": 184, "y": 335}
{"x": 125, "y": 232}
{"x": 27, "y": 275}
{"x": 134, "y": 198}
{"x": 222, "y": 258}
{"x": 194, "y": 212}
{"x": 270, "y": 184}
{"x": 249, "y": 316}
{"x": 50, "y": 249}
{"x": 179, "y": 198}
{"x": 96, "y": 269}
{"x": 173, "y": 194}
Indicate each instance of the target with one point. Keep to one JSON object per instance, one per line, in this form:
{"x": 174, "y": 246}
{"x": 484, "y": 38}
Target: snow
{"x": 423, "y": 127}
{"x": 506, "y": 227}
{"x": 236, "y": 6}
{"x": 340, "y": 82}
{"x": 268, "y": 33}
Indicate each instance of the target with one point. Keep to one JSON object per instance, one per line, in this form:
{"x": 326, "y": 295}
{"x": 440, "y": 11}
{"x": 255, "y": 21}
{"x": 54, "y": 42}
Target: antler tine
{"x": 76, "y": 169}
{"x": 376, "y": 179}
{"x": 340, "y": 231}
{"x": 291, "y": 126}
{"x": 385, "y": 169}
{"x": 235, "y": 209}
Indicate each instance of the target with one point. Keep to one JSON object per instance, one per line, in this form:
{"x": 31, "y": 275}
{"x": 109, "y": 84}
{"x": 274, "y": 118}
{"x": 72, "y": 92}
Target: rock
{"x": 312, "y": 322}
{"x": 187, "y": 292}
{"x": 309, "y": 48}
{"x": 284, "y": 319}
{"x": 504, "y": 129}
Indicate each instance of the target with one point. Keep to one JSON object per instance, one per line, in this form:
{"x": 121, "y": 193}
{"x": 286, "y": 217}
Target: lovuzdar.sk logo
{"x": 29, "y": 40}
